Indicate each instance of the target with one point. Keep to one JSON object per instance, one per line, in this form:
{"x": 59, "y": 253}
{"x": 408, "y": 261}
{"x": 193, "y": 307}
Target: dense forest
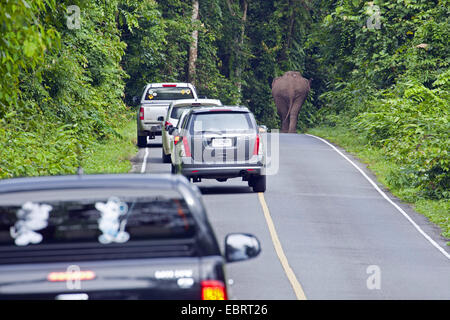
{"x": 381, "y": 71}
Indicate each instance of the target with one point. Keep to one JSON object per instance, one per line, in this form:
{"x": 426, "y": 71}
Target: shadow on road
{"x": 156, "y": 160}
{"x": 224, "y": 190}
{"x": 152, "y": 145}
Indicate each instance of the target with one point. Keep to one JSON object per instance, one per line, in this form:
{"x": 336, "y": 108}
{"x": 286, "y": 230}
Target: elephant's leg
{"x": 285, "y": 124}
{"x": 282, "y": 109}
{"x": 293, "y": 116}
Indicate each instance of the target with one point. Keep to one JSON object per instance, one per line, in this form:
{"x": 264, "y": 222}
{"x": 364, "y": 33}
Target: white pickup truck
{"x": 153, "y": 106}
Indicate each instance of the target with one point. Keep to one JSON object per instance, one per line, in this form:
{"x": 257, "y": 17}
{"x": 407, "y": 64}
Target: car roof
{"x": 163, "y": 181}
{"x": 160, "y": 84}
{"x": 160, "y": 182}
{"x": 222, "y": 108}
{"x": 184, "y": 102}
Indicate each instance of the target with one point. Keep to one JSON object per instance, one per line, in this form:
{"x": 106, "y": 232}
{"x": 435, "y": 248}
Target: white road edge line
{"x": 298, "y": 290}
{"x": 144, "y": 161}
{"x": 426, "y": 236}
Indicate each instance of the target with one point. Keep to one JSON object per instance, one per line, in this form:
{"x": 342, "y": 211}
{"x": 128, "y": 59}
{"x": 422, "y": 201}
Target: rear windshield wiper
{"x": 211, "y": 131}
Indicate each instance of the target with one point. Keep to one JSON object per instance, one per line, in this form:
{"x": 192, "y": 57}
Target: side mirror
{"x": 262, "y": 129}
{"x": 241, "y": 246}
{"x": 170, "y": 129}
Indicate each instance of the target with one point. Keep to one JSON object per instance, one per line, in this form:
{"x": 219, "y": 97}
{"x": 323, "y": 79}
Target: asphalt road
{"x": 326, "y": 233}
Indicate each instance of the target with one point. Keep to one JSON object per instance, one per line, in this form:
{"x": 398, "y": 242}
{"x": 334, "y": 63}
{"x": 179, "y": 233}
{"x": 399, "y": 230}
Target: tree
{"x": 193, "y": 49}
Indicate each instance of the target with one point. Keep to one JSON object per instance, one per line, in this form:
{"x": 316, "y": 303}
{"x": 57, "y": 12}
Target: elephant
{"x": 289, "y": 92}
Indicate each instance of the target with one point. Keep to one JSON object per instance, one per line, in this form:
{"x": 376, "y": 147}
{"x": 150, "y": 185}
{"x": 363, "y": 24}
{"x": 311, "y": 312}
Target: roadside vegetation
{"x": 387, "y": 97}
{"x": 114, "y": 154}
{"x": 380, "y": 69}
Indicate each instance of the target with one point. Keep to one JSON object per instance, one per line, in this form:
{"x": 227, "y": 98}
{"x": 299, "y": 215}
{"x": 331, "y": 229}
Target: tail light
{"x": 70, "y": 276}
{"x": 257, "y": 145}
{"x": 187, "y": 151}
{"x": 141, "y": 113}
{"x": 169, "y": 85}
{"x": 213, "y": 290}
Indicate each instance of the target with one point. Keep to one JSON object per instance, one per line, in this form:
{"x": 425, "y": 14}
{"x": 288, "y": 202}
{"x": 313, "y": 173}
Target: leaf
{"x": 29, "y": 48}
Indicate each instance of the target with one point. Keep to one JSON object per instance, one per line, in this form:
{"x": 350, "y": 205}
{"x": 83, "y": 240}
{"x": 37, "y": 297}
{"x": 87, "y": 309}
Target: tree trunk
{"x": 193, "y": 50}
{"x": 241, "y": 46}
{"x": 290, "y": 29}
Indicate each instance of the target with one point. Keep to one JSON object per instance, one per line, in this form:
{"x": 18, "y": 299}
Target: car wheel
{"x": 258, "y": 183}
{"x": 165, "y": 157}
{"x": 142, "y": 141}
{"x": 173, "y": 169}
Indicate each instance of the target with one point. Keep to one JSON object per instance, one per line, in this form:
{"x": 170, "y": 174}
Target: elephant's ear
{"x": 274, "y": 80}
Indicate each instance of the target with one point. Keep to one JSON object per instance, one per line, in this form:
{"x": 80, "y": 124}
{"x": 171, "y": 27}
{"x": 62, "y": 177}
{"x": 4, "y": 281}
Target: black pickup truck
{"x": 123, "y": 236}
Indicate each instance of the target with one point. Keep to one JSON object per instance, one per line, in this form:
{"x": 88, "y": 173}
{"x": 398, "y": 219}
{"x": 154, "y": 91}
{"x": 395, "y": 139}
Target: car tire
{"x": 142, "y": 141}
{"x": 258, "y": 183}
{"x": 173, "y": 169}
{"x": 165, "y": 157}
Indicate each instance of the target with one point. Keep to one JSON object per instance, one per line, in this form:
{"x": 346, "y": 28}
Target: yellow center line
{"x": 279, "y": 250}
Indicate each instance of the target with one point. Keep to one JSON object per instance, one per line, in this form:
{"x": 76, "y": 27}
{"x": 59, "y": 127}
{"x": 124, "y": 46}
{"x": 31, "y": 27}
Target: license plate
{"x": 221, "y": 143}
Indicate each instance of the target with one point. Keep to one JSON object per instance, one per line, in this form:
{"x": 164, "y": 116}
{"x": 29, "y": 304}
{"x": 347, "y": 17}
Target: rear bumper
{"x": 149, "y": 128}
{"x": 221, "y": 171}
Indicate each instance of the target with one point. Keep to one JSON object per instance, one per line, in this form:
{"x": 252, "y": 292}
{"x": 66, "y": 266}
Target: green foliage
{"x": 113, "y": 155}
{"x": 67, "y": 88}
{"x": 412, "y": 124}
{"x": 390, "y": 85}
{"x": 157, "y": 43}
{"x": 24, "y": 42}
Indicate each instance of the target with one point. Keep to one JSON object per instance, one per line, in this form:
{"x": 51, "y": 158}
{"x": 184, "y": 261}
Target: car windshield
{"x": 100, "y": 216}
{"x": 221, "y": 122}
{"x": 169, "y": 93}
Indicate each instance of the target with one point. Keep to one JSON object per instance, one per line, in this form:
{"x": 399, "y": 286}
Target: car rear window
{"x": 220, "y": 122}
{"x": 106, "y": 217}
{"x": 178, "y": 111}
{"x": 169, "y": 93}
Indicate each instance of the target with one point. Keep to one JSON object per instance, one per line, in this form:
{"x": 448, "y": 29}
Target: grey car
{"x": 219, "y": 143}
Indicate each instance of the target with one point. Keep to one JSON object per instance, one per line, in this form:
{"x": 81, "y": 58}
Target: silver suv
{"x": 219, "y": 143}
